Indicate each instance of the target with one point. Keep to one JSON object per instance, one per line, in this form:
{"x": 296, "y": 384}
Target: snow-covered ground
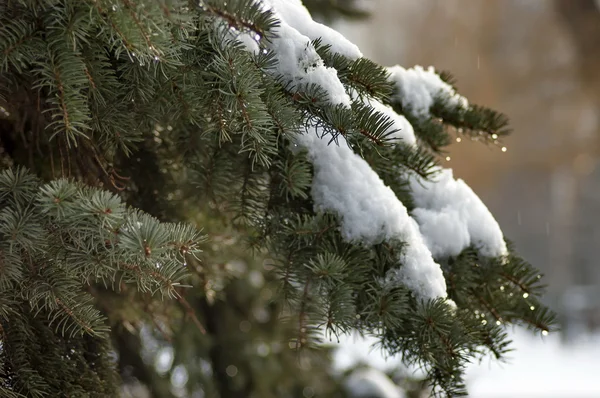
{"x": 539, "y": 367}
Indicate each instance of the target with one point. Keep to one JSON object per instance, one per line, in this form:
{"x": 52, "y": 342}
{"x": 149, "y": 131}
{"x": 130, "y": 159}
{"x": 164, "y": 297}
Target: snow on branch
{"x": 403, "y": 130}
{"x": 451, "y": 217}
{"x": 370, "y": 212}
{"x": 297, "y": 60}
{"x": 448, "y": 216}
{"x": 297, "y": 16}
{"x": 417, "y": 88}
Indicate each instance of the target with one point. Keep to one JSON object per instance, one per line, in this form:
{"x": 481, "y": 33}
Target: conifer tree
{"x": 230, "y": 184}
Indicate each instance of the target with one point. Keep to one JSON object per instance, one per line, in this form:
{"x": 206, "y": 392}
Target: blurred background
{"x": 537, "y": 61}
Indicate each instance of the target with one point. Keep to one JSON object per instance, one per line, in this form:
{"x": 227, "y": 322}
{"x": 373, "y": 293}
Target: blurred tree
{"x": 330, "y": 10}
{"x": 582, "y": 19}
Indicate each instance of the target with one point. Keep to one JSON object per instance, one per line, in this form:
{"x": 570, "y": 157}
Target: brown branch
{"x": 138, "y": 270}
{"x": 490, "y": 309}
{"x": 8, "y": 50}
{"x": 61, "y": 98}
{"x": 190, "y": 312}
{"x": 537, "y": 325}
{"x": 515, "y": 281}
{"x": 371, "y": 137}
{"x": 130, "y": 5}
{"x": 443, "y": 338}
{"x": 72, "y": 315}
{"x": 114, "y": 26}
{"x": 89, "y": 76}
{"x": 232, "y": 20}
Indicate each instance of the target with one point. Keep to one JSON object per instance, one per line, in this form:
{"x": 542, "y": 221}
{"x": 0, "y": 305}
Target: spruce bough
{"x": 171, "y": 168}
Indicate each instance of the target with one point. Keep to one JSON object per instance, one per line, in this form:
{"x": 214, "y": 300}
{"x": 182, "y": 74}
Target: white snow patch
{"x": 404, "y": 130}
{"x": 248, "y": 41}
{"x": 370, "y": 213}
{"x": 417, "y": 89}
{"x": 540, "y": 368}
{"x": 369, "y": 382}
{"x": 353, "y": 349}
{"x": 297, "y": 16}
{"x": 297, "y": 60}
{"x": 537, "y": 368}
{"x": 451, "y": 217}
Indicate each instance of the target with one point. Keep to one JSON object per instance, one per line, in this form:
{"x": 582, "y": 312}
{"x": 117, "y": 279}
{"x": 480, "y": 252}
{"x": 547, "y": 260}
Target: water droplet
{"x": 504, "y": 149}
{"x": 448, "y": 158}
{"x": 484, "y": 322}
{"x": 495, "y": 136}
{"x": 502, "y": 288}
{"x": 262, "y": 349}
{"x": 532, "y": 308}
{"x": 458, "y": 139}
{"x": 525, "y": 295}
{"x": 544, "y": 332}
{"x": 498, "y": 323}
{"x": 245, "y": 326}
{"x": 231, "y": 370}
{"x": 308, "y": 392}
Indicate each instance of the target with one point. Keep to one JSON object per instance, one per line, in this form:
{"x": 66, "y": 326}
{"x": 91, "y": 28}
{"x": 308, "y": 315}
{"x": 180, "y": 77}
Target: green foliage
{"x": 57, "y": 240}
{"x": 124, "y": 111}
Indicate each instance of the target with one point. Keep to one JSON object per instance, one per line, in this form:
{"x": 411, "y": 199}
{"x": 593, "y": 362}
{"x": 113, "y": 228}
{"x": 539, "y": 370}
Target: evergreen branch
{"x": 90, "y": 78}
{"x": 514, "y": 280}
{"x": 130, "y": 6}
{"x": 85, "y": 326}
{"x": 488, "y": 307}
{"x": 16, "y": 34}
{"x": 106, "y": 14}
{"x": 63, "y": 105}
{"x": 370, "y": 78}
{"x": 242, "y": 14}
{"x": 156, "y": 276}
